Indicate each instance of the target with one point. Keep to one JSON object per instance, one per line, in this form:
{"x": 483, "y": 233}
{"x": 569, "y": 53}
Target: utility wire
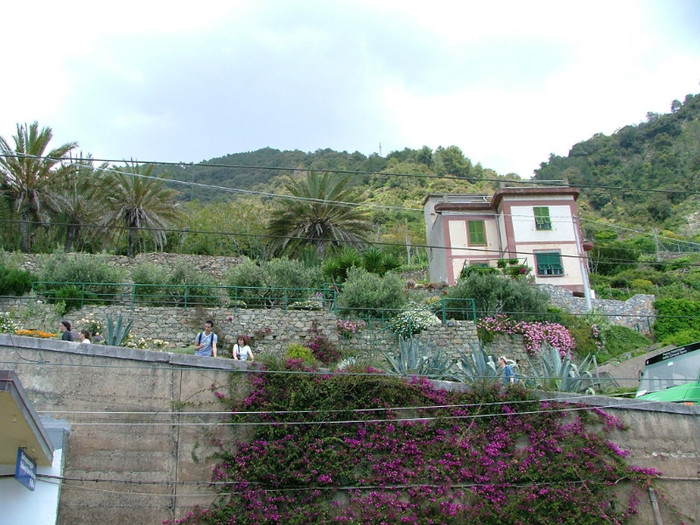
{"x": 476, "y": 249}
{"x": 533, "y": 182}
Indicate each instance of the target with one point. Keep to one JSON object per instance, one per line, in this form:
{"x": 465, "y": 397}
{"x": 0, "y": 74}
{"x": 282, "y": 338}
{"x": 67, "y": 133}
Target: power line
{"x": 79, "y": 483}
{"x": 532, "y": 182}
{"x": 494, "y": 252}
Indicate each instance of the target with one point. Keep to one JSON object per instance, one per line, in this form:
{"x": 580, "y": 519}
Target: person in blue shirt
{"x": 205, "y": 342}
{"x": 507, "y": 371}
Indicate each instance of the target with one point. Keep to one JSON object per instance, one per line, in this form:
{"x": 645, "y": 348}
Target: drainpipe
{"x": 655, "y": 506}
{"x": 582, "y": 263}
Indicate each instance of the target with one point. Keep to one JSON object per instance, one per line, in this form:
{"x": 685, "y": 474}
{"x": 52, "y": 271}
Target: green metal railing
{"x": 185, "y": 296}
{"x": 188, "y": 295}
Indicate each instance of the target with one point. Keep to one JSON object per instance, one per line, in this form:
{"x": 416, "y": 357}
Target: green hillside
{"x": 644, "y": 174}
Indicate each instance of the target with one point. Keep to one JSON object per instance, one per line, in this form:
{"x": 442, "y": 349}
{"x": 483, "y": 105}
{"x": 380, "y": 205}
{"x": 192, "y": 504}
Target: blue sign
{"x": 25, "y": 470}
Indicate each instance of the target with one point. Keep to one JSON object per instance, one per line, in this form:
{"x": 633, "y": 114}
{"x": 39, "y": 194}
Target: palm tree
{"x": 138, "y": 200}
{"x": 322, "y": 213}
{"x": 82, "y": 198}
{"x": 30, "y": 174}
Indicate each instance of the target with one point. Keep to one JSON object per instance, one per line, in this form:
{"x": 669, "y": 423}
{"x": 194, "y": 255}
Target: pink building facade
{"x": 538, "y": 226}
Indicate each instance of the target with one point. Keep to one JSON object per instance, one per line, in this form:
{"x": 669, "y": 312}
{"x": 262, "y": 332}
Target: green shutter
{"x": 549, "y": 263}
{"x": 477, "y": 235}
{"x": 542, "y": 220}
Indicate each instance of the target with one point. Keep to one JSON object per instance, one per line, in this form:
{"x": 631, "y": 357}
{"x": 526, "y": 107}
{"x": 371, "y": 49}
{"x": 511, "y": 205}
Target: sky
{"x": 507, "y": 81}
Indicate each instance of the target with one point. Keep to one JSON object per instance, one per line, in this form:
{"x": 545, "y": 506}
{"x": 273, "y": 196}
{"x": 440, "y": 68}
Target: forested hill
{"x": 660, "y": 157}
{"x": 662, "y": 153}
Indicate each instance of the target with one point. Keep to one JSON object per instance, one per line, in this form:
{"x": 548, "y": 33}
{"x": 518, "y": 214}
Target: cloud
{"x": 508, "y": 82}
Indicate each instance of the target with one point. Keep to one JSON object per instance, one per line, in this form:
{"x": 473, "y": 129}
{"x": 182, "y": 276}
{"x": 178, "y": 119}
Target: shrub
{"x": 460, "y": 465}
{"x": 188, "y": 286}
{"x": 303, "y": 353}
{"x": 71, "y": 297}
{"x": 160, "y": 287}
{"x": 535, "y": 334}
{"x": 336, "y": 268}
{"x": 684, "y": 337}
{"x": 14, "y": 281}
{"x": 367, "y": 294}
{"x": 150, "y": 278}
{"x": 272, "y": 282}
{"x": 7, "y": 324}
{"x": 496, "y": 295}
{"x": 62, "y": 268}
{"x": 673, "y": 316}
{"x": 585, "y": 331}
{"x": 322, "y": 349}
{"x": 347, "y": 328}
{"x": 413, "y": 320}
{"x": 617, "y": 340}
{"x": 642, "y": 285}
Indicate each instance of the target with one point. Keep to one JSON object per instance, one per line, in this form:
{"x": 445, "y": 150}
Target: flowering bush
{"x": 347, "y": 328}
{"x": 322, "y": 349}
{"x": 89, "y": 323}
{"x": 476, "y": 457}
{"x": 7, "y": 324}
{"x": 413, "y": 321}
{"x": 305, "y": 305}
{"x": 534, "y": 333}
{"x": 145, "y": 343}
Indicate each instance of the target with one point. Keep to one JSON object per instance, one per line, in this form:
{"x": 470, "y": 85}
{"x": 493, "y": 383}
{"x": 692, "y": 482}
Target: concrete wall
{"x": 141, "y": 424}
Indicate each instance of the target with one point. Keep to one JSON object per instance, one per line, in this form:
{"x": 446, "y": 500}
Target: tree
{"x": 81, "y": 198}
{"x": 140, "y": 201}
{"x": 30, "y": 173}
{"x": 322, "y": 213}
{"x": 452, "y": 161}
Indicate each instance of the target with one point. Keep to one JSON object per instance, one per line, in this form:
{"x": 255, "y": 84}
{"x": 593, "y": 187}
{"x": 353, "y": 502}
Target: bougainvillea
{"x": 534, "y": 333}
{"x": 371, "y": 449}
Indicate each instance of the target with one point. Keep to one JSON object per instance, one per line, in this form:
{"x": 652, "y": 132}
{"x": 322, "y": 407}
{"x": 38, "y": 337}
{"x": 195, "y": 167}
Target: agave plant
{"x": 478, "y": 366}
{"x": 414, "y": 358}
{"x": 117, "y": 332}
{"x": 561, "y": 374}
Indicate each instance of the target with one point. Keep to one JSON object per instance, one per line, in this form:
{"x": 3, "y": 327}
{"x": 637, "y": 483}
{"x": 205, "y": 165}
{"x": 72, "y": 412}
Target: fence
{"x": 77, "y": 294}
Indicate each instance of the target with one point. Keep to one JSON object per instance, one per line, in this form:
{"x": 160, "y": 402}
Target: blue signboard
{"x": 25, "y": 470}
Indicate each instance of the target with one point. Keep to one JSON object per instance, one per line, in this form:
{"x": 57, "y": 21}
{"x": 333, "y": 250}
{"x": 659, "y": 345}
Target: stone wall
{"x": 636, "y": 313}
{"x": 272, "y": 330}
{"x": 142, "y": 423}
{"x": 216, "y": 266}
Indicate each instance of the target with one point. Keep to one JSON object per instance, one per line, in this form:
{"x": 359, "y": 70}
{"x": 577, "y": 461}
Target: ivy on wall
{"x": 347, "y": 448}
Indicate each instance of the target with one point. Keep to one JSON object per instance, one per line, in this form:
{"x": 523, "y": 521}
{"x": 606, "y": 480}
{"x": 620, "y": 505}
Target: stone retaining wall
{"x": 636, "y": 313}
{"x": 272, "y": 330}
{"x": 216, "y": 266}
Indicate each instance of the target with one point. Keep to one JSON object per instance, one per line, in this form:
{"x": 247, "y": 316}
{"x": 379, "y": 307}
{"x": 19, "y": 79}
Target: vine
{"x": 487, "y": 456}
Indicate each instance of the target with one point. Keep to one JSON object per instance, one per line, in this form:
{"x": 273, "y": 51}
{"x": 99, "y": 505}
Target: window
{"x": 549, "y": 263}
{"x": 542, "y": 220}
{"x": 479, "y": 264}
{"x": 477, "y": 235}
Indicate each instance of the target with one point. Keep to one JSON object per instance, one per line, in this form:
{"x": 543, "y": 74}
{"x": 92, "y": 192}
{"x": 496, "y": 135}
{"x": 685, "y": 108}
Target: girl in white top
{"x": 85, "y": 336}
{"x": 241, "y": 351}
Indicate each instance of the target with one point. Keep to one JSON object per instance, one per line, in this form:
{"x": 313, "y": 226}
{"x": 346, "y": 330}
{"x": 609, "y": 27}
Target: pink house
{"x": 538, "y": 226}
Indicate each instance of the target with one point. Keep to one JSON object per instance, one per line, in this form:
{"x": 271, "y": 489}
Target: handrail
{"x": 188, "y": 295}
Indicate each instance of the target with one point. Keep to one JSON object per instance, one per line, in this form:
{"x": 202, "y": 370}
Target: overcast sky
{"x": 509, "y": 82}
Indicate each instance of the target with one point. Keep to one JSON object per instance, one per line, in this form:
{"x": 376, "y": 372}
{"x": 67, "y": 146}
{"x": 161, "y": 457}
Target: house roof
{"x": 500, "y": 194}
{"x": 21, "y": 425}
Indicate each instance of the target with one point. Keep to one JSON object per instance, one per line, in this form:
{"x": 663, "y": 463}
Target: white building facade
{"x": 538, "y": 226}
